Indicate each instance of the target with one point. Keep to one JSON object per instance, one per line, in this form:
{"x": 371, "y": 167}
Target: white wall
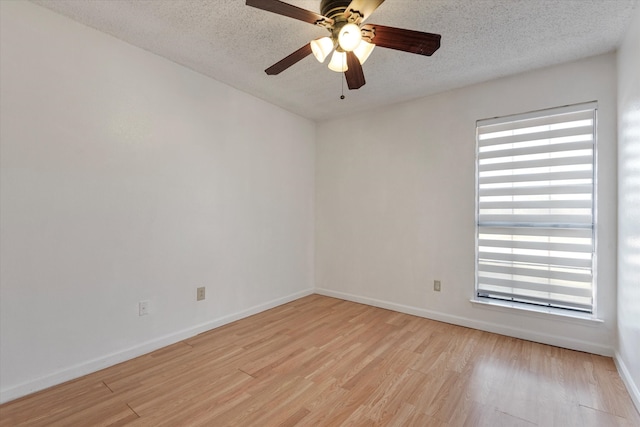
{"x": 395, "y": 202}
{"x": 628, "y": 356}
{"x": 126, "y": 177}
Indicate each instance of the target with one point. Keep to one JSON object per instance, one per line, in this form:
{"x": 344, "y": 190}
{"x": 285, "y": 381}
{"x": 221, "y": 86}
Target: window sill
{"x": 539, "y": 312}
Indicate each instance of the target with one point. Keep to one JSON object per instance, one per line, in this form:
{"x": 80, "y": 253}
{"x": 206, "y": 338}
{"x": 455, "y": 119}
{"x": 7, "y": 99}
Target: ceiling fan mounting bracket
{"x": 355, "y": 16}
{"x": 325, "y": 23}
{"x": 368, "y": 33}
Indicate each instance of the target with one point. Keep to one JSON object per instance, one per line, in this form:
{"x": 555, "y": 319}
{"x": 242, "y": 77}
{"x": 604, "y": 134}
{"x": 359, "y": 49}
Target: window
{"x": 535, "y": 199}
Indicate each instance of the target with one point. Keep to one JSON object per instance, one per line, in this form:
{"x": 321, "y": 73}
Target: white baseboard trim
{"x": 95, "y": 365}
{"x": 554, "y": 340}
{"x": 632, "y": 387}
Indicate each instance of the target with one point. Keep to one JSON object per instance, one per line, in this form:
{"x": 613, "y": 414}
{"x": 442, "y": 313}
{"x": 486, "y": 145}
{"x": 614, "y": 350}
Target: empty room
{"x": 320, "y": 212}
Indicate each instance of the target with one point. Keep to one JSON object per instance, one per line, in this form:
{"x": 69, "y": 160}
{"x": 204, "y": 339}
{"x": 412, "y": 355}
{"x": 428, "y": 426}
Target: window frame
{"x": 513, "y": 302}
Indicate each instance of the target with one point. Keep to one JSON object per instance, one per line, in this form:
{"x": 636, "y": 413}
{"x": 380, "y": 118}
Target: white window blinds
{"x": 535, "y": 241}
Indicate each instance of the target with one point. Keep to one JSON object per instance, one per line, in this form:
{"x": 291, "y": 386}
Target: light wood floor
{"x": 320, "y": 361}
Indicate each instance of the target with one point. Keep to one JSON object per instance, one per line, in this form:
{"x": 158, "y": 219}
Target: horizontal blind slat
{"x": 534, "y": 259}
{"x": 548, "y": 246}
{"x": 572, "y": 276}
{"x": 578, "y": 291}
{"x": 538, "y": 231}
{"x": 537, "y": 204}
{"x": 573, "y": 220}
{"x": 536, "y": 136}
{"x": 539, "y": 163}
{"x": 539, "y": 190}
{"x": 536, "y": 177}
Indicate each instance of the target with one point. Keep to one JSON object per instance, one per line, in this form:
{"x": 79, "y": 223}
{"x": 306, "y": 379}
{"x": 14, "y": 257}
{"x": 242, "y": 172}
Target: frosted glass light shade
{"x": 321, "y": 48}
{"x": 349, "y": 37}
{"x": 363, "y": 51}
{"x": 338, "y": 62}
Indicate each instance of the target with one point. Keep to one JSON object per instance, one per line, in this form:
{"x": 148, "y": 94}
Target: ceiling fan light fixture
{"x": 363, "y": 51}
{"x": 349, "y": 37}
{"x": 338, "y": 62}
{"x": 321, "y": 48}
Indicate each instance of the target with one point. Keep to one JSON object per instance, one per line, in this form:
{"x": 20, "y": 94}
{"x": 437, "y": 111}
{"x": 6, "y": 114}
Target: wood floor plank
{"x": 49, "y": 404}
{"x": 321, "y": 361}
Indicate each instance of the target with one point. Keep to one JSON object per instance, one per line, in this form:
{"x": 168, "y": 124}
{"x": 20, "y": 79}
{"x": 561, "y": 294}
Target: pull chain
{"x": 342, "y": 77}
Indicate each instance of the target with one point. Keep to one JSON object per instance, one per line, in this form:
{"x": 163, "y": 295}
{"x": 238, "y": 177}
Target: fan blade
{"x": 354, "y": 74}
{"x": 282, "y": 8}
{"x": 401, "y": 39}
{"x": 287, "y": 62}
{"x": 364, "y": 7}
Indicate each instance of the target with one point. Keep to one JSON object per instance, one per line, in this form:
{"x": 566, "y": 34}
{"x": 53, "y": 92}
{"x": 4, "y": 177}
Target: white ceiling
{"x": 481, "y": 40}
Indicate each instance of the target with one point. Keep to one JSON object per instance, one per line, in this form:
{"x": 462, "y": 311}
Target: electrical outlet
{"x": 436, "y": 285}
{"x": 200, "y": 294}
{"x": 143, "y": 308}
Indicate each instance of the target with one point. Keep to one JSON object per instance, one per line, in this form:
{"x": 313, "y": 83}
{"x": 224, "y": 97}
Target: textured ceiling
{"x": 481, "y": 40}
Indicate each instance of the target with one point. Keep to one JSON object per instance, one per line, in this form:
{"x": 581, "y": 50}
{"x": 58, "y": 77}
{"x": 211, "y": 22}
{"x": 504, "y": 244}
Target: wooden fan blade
{"x": 405, "y": 40}
{"x": 285, "y": 9}
{"x": 364, "y": 7}
{"x": 287, "y": 62}
{"x": 354, "y": 73}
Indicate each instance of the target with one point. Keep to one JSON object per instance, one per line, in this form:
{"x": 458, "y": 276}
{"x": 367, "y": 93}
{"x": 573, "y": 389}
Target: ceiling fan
{"x": 351, "y": 40}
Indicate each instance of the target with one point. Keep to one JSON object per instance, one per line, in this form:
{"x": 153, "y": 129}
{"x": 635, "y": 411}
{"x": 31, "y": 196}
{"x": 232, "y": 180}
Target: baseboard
{"x": 632, "y": 387}
{"x": 524, "y": 334}
{"x": 144, "y": 348}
